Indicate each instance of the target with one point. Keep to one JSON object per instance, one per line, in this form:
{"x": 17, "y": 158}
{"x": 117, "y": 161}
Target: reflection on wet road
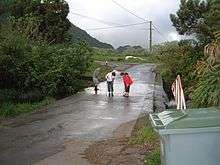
{"x": 86, "y": 116}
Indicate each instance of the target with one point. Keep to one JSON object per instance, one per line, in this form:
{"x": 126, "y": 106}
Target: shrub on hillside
{"x": 207, "y": 89}
{"x": 40, "y": 69}
{"x": 178, "y": 58}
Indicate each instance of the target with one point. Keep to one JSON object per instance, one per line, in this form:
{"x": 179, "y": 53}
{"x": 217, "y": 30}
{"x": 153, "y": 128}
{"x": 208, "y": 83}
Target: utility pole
{"x": 150, "y": 37}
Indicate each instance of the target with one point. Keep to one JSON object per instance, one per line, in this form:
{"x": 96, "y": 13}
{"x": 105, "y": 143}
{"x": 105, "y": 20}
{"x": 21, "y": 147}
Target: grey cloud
{"x": 158, "y": 11}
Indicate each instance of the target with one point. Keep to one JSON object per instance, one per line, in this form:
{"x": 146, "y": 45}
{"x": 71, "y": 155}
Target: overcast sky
{"x": 155, "y": 10}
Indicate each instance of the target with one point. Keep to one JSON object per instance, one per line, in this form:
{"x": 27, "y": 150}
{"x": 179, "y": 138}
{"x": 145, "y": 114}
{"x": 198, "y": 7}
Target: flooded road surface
{"x": 33, "y": 137}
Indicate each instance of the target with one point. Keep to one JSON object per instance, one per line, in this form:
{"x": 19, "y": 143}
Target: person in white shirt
{"x": 110, "y": 77}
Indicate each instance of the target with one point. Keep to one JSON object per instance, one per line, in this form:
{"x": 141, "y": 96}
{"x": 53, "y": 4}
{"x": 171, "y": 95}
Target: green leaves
{"x": 201, "y": 19}
{"x": 32, "y": 68}
{"x": 178, "y": 58}
{"x": 191, "y": 18}
{"x": 207, "y": 90}
{"x": 39, "y": 21}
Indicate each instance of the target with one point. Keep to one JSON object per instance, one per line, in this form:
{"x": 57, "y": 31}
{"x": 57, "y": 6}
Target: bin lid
{"x": 190, "y": 118}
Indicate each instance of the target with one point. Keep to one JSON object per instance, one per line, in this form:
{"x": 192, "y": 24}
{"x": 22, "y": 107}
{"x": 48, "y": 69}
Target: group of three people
{"x": 110, "y": 77}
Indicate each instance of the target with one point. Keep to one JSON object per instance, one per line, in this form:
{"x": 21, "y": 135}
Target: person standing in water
{"x": 127, "y": 83}
{"x": 96, "y": 80}
{"x": 110, "y": 77}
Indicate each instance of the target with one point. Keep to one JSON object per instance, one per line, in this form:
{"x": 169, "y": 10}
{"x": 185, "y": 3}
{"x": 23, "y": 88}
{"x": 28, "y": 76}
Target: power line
{"x": 138, "y": 18}
{"x": 150, "y": 37}
{"x": 120, "y": 26}
{"x": 95, "y": 19}
{"x": 160, "y": 32}
{"x": 129, "y": 11}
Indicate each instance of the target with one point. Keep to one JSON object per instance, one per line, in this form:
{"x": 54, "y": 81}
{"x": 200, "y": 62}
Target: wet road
{"x": 30, "y": 138}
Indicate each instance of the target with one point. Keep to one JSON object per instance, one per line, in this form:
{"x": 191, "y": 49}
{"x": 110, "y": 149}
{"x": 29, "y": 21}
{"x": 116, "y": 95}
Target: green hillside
{"x": 79, "y": 34}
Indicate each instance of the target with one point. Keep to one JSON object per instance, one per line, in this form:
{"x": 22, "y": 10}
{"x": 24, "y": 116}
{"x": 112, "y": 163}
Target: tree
{"x": 191, "y": 19}
{"x": 31, "y": 71}
{"x": 55, "y": 25}
{"x": 213, "y": 19}
{"x": 39, "y": 19}
{"x": 4, "y": 9}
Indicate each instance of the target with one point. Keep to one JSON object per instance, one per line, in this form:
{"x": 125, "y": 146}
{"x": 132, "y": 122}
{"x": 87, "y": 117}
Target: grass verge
{"x": 12, "y": 109}
{"x": 146, "y": 136}
{"x": 153, "y": 158}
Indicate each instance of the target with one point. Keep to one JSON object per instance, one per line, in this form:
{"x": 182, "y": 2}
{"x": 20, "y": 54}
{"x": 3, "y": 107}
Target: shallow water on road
{"x": 84, "y": 115}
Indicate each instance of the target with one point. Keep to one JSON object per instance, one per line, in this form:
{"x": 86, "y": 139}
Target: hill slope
{"x": 79, "y": 34}
{"x": 127, "y": 47}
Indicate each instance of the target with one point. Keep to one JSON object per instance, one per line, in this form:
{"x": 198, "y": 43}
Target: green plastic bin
{"x": 190, "y": 137}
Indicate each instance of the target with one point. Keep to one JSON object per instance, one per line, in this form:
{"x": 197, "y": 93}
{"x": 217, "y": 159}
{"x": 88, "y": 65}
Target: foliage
{"x": 10, "y": 109}
{"x": 145, "y": 135}
{"x": 217, "y": 36}
{"x": 213, "y": 17}
{"x": 200, "y": 73}
{"x": 191, "y": 19}
{"x": 40, "y": 20}
{"x": 63, "y": 71}
{"x": 36, "y": 58}
{"x": 45, "y": 20}
{"x": 4, "y": 10}
{"x": 153, "y": 158}
{"x": 54, "y": 70}
{"x": 178, "y": 58}
{"x": 207, "y": 90}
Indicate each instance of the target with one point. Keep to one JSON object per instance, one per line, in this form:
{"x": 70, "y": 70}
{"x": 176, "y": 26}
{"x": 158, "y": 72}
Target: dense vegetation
{"x": 37, "y": 58}
{"x": 200, "y": 71}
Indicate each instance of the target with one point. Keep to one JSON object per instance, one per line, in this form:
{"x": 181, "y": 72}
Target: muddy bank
{"x": 119, "y": 150}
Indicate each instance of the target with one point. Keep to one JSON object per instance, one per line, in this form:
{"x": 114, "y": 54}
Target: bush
{"x": 11, "y": 109}
{"x": 120, "y": 59}
{"x": 178, "y": 58}
{"x": 64, "y": 69}
{"x": 207, "y": 89}
{"x": 12, "y": 95}
{"x": 35, "y": 70}
{"x": 153, "y": 158}
{"x": 7, "y": 95}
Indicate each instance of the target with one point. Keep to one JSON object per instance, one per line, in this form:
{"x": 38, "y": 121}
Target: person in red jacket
{"x": 127, "y": 82}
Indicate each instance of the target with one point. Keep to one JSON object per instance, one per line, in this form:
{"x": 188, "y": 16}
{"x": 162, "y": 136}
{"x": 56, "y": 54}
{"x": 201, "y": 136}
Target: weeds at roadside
{"x": 147, "y": 137}
{"x": 153, "y": 158}
{"x": 12, "y": 109}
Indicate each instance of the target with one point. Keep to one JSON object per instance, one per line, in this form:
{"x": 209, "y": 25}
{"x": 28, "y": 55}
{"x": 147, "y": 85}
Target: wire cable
{"x": 129, "y": 11}
{"x": 160, "y": 32}
{"x": 121, "y": 26}
{"x": 95, "y": 19}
